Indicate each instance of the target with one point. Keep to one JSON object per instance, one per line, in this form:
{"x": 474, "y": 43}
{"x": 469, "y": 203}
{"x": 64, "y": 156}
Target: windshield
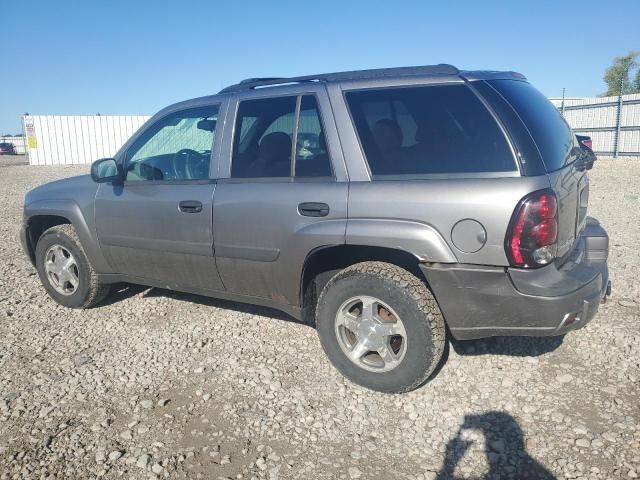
{"x": 547, "y": 127}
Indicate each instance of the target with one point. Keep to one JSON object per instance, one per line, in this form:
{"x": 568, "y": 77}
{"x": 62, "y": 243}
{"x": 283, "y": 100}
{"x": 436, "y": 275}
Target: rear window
{"x": 544, "y": 122}
{"x": 428, "y": 130}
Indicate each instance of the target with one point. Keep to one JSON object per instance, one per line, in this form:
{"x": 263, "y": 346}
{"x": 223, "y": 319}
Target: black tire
{"x": 414, "y": 304}
{"x": 90, "y": 291}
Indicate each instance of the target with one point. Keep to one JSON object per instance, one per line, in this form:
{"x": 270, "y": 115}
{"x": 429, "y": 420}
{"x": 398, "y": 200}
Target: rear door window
{"x": 268, "y": 132}
{"x": 264, "y": 137}
{"x": 312, "y": 157}
{"x": 428, "y": 130}
{"x": 544, "y": 122}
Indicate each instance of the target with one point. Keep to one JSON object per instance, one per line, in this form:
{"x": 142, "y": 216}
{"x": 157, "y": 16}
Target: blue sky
{"x": 134, "y": 57}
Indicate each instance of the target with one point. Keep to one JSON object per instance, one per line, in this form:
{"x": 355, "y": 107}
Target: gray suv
{"x": 387, "y": 206}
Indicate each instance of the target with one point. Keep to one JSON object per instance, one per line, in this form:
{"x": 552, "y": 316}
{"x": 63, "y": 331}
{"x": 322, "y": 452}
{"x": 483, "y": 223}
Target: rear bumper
{"x": 479, "y": 301}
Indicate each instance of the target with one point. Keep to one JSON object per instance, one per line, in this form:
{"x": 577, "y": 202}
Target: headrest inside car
{"x": 275, "y": 145}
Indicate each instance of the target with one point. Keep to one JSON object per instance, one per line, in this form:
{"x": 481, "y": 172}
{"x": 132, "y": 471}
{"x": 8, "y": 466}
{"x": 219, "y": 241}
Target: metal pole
{"x": 562, "y": 104}
{"x": 616, "y": 146}
{"x": 24, "y": 139}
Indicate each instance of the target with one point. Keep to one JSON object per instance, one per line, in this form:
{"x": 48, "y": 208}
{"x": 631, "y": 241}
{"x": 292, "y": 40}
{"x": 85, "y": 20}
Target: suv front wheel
{"x": 65, "y": 271}
{"x": 381, "y": 327}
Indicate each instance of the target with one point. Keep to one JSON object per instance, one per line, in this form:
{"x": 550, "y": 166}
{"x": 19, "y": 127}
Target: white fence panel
{"x": 602, "y": 141}
{"x": 601, "y": 116}
{"x": 67, "y": 140}
{"x": 631, "y": 116}
{"x": 629, "y": 141}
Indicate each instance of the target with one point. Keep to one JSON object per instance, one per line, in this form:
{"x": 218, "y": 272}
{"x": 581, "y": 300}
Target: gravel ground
{"x": 168, "y": 385}
{"x": 8, "y": 160}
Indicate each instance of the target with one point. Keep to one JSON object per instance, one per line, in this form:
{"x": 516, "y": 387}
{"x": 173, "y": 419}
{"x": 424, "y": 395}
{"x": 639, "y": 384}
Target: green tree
{"x": 618, "y": 75}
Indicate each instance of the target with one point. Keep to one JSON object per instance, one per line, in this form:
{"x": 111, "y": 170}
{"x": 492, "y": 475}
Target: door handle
{"x": 313, "y": 209}
{"x": 190, "y": 206}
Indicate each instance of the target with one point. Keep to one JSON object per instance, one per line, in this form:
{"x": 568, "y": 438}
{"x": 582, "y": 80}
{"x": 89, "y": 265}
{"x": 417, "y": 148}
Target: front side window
{"x": 428, "y": 130}
{"x": 264, "y": 140}
{"x": 177, "y": 147}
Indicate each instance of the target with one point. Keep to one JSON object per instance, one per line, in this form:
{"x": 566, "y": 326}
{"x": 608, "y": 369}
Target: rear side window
{"x": 544, "y": 122}
{"x": 426, "y": 130}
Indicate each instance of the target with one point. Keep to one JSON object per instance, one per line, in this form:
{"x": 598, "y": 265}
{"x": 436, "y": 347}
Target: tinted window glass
{"x": 246, "y": 126}
{"x": 423, "y": 130}
{"x": 284, "y": 123}
{"x": 263, "y": 138}
{"x": 176, "y": 147}
{"x": 312, "y": 159}
{"x": 396, "y": 110}
{"x": 528, "y": 154}
{"x": 547, "y": 127}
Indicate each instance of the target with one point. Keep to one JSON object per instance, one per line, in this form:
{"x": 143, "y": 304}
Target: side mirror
{"x": 105, "y": 170}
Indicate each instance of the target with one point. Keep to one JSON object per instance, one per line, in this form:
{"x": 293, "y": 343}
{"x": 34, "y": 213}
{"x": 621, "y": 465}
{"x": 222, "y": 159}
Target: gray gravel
{"x": 9, "y": 160}
{"x": 166, "y": 385}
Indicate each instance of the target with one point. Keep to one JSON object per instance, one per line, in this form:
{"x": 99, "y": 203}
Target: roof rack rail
{"x": 251, "y": 83}
{"x": 259, "y": 79}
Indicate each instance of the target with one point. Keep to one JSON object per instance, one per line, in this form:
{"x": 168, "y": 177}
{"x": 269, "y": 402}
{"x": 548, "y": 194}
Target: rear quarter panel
{"x": 441, "y": 203}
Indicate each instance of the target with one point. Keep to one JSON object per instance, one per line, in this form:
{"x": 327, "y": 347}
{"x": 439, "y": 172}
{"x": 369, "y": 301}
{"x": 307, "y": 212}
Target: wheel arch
{"x": 42, "y": 215}
{"x": 324, "y": 262}
{"x": 36, "y": 226}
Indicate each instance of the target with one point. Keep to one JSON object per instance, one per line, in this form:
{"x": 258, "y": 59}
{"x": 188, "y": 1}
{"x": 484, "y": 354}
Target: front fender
{"x": 417, "y": 238}
{"x": 81, "y": 220}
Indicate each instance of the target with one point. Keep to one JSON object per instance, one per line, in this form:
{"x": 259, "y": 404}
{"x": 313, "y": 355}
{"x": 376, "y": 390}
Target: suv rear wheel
{"x": 65, "y": 271}
{"x": 381, "y": 327}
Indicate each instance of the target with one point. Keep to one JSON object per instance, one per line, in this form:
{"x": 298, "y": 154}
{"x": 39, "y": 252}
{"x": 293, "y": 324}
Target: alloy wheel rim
{"x": 370, "y": 333}
{"x": 62, "y": 270}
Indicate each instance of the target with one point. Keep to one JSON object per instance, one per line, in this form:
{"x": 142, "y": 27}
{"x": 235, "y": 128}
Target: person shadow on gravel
{"x": 505, "y": 450}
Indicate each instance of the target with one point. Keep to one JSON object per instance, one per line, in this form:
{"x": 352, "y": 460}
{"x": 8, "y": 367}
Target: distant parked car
{"x": 586, "y": 145}
{"x": 7, "y": 149}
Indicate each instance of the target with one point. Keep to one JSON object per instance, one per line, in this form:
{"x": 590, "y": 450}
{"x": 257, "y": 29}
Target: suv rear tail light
{"x": 588, "y": 143}
{"x": 533, "y": 231}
